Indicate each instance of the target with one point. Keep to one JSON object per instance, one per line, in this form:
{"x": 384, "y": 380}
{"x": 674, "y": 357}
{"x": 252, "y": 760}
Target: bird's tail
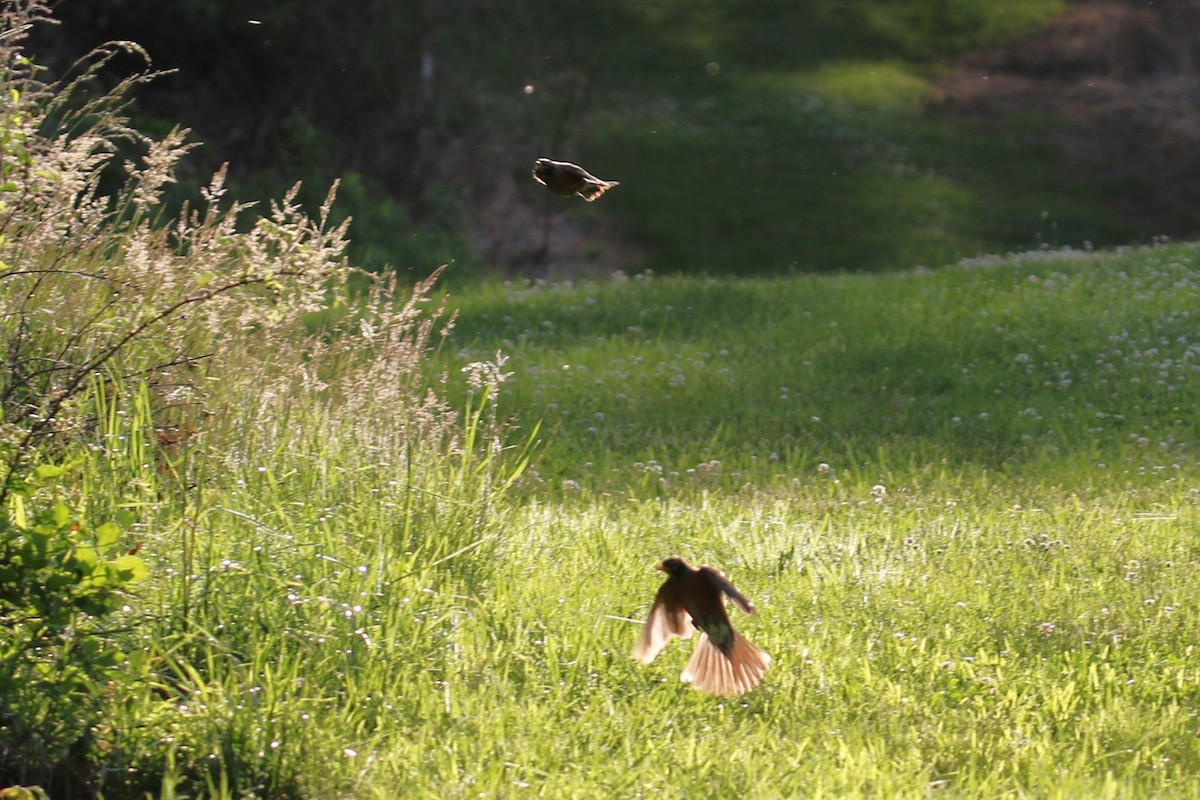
{"x": 591, "y": 191}
{"x": 710, "y": 670}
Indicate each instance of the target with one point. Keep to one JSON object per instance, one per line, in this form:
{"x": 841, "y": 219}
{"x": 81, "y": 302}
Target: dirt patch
{"x": 528, "y": 231}
{"x": 1122, "y": 77}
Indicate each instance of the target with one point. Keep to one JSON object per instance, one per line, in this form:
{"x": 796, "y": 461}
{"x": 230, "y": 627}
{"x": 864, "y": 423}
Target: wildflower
{"x": 487, "y": 375}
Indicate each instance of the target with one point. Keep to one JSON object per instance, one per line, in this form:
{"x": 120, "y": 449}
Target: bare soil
{"x": 524, "y": 229}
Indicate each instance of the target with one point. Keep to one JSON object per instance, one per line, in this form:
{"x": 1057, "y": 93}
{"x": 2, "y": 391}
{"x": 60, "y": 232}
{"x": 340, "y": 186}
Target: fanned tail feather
{"x": 591, "y": 191}
{"x": 710, "y": 670}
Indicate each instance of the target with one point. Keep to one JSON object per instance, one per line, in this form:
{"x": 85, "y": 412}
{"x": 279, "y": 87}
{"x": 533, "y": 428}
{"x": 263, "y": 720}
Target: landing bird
{"x": 724, "y": 663}
{"x": 562, "y": 177}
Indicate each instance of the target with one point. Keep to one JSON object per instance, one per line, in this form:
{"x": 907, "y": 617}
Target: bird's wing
{"x": 722, "y": 583}
{"x": 574, "y": 170}
{"x": 667, "y": 619}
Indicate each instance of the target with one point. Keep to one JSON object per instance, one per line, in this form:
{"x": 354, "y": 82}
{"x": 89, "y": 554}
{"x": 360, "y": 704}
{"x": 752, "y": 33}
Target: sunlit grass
{"x": 882, "y": 85}
{"x": 811, "y": 139}
{"x": 1004, "y": 368}
{"x": 828, "y": 169}
{"x": 958, "y": 594}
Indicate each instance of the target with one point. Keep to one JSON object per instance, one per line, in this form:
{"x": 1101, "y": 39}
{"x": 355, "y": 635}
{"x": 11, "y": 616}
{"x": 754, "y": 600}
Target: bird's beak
{"x": 660, "y": 568}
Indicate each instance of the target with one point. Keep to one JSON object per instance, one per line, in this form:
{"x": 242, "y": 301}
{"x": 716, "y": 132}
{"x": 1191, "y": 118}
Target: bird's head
{"x": 675, "y": 567}
{"x": 542, "y": 166}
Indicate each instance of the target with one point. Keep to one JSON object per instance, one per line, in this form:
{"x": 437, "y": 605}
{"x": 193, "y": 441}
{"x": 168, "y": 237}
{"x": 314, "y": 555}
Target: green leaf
{"x": 39, "y": 539}
{"x": 61, "y": 515}
{"x": 131, "y": 568}
{"x": 87, "y": 557}
{"x": 107, "y": 535}
{"x": 48, "y": 471}
{"x": 108, "y": 658}
{"x": 19, "y": 516}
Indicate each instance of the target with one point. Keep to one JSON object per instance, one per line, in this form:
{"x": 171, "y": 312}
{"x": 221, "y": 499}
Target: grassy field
{"x": 964, "y": 501}
{"x": 255, "y": 547}
{"x": 1051, "y": 366}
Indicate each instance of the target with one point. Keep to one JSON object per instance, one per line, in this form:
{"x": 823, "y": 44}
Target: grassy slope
{"x": 1011, "y": 612}
{"x": 803, "y": 172}
{"x": 1010, "y": 368}
{"x": 764, "y": 139}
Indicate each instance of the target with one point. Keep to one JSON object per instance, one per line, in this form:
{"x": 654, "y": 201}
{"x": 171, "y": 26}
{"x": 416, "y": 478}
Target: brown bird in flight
{"x": 724, "y": 663}
{"x": 565, "y": 178}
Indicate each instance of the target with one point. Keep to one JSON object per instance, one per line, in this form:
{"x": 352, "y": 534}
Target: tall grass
{"x": 296, "y": 514}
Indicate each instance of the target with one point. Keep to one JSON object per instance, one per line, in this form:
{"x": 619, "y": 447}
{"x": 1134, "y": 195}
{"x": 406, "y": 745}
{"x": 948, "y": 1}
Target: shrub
{"x": 62, "y": 584}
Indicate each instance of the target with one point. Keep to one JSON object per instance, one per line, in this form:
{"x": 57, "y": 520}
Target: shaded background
{"x": 750, "y": 136}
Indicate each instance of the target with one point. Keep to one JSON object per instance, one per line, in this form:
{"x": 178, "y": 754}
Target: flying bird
{"x": 724, "y": 663}
{"x": 566, "y": 179}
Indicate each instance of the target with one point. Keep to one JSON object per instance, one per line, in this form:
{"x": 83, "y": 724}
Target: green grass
{"x": 1011, "y": 369}
{"x": 1009, "y": 616}
{"x": 971, "y": 597}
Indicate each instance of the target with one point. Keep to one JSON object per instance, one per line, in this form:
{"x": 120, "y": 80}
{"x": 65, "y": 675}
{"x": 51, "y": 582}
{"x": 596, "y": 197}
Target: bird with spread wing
{"x": 724, "y": 662}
